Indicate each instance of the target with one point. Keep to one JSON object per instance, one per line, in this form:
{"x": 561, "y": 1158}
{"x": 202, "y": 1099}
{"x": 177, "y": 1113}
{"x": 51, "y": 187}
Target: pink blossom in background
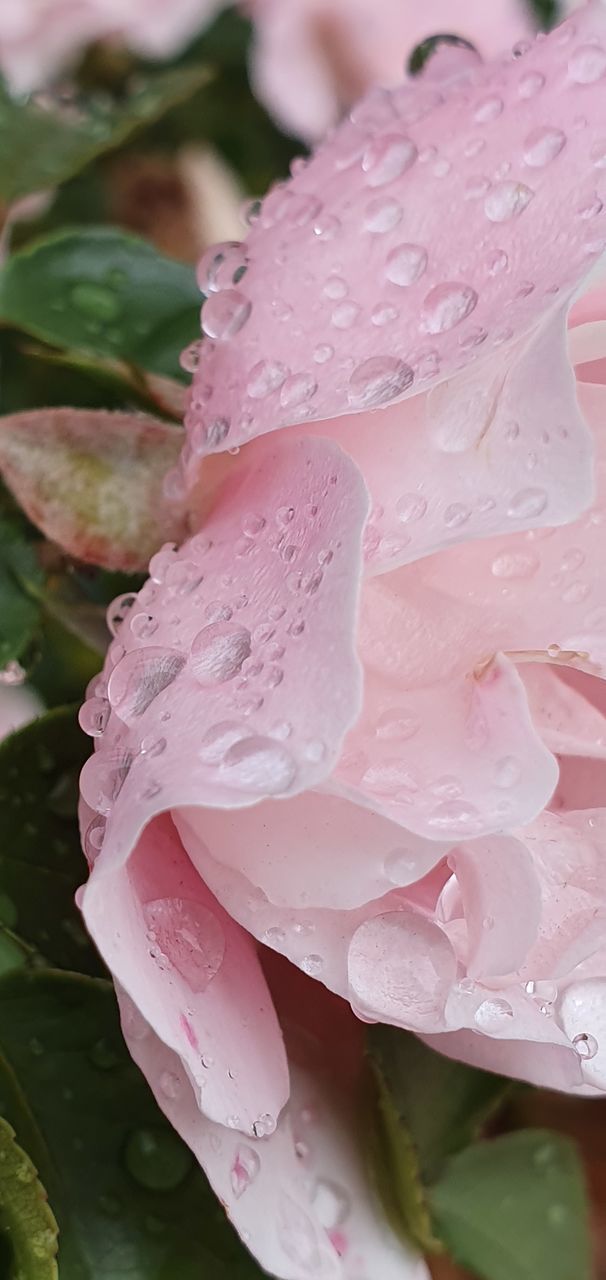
{"x": 39, "y": 40}
{"x": 313, "y": 58}
{"x": 359, "y": 717}
{"x": 18, "y": 705}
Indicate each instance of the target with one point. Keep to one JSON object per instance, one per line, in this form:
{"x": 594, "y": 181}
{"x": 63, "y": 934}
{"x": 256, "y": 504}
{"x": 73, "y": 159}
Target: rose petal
{"x": 92, "y": 481}
{"x": 582, "y": 1011}
{"x": 568, "y": 723}
{"x": 501, "y": 896}
{"x": 451, "y": 465}
{"x": 467, "y": 761}
{"x": 511, "y": 119}
{"x": 205, "y": 677}
{"x": 300, "y": 1197}
{"x": 549, "y": 1066}
{"x": 312, "y": 851}
{"x": 192, "y": 974}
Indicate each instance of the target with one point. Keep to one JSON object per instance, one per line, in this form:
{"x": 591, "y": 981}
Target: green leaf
{"x": 130, "y": 1201}
{"x": 45, "y": 141}
{"x": 20, "y": 580}
{"x": 106, "y": 294}
{"x": 443, "y": 1104}
{"x": 515, "y": 1209}
{"x": 41, "y": 861}
{"x": 26, "y": 1222}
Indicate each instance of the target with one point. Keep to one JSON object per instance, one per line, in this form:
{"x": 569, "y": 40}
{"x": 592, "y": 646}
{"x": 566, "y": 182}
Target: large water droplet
{"x": 586, "y": 1046}
{"x": 186, "y": 936}
{"x": 157, "y": 1159}
{"x": 265, "y": 377}
{"x": 298, "y": 1236}
{"x": 225, "y": 314}
{"x": 446, "y": 306}
{"x": 382, "y": 215}
{"x": 218, "y": 652}
{"x": 260, "y": 765}
{"x": 379, "y": 380}
{"x": 493, "y": 1015}
{"x": 406, "y": 264}
{"x": 400, "y": 964}
{"x": 515, "y": 565}
{"x": 222, "y": 266}
{"x": 507, "y": 200}
{"x": 139, "y": 678}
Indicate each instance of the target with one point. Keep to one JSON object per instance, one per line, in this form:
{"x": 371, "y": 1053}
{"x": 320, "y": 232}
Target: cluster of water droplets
{"x": 353, "y": 208}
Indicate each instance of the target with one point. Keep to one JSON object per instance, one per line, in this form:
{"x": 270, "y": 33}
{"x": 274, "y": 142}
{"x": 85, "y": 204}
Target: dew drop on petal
{"x": 493, "y": 1015}
{"x": 244, "y": 1170}
{"x": 446, "y": 306}
{"x": 585, "y": 1046}
{"x": 387, "y": 158}
{"x": 406, "y": 264}
{"x": 186, "y": 936}
{"x": 507, "y": 200}
{"x": 225, "y": 314}
{"x": 259, "y": 764}
{"x": 542, "y": 146}
{"x": 218, "y": 652}
{"x": 379, "y": 380}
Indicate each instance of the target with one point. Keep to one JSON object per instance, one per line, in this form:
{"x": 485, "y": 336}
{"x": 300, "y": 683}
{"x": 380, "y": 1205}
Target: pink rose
{"x": 313, "y": 58}
{"x": 38, "y": 40}
{"x": 375, "y": 745}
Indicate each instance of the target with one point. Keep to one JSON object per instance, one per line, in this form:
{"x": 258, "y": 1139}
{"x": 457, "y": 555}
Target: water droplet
{"x": 297, "y": 390}
{"x": 312, "y": 965}
{"x": 586, "y": 1046}
{"x": 379, "y": 380}
{"x": 406, "y": 264}
{"x": 493, "y": 1015}
{"x": 508, "y": 772}
{"x": 139, "y": 678}
{"x": 323, "y": 353}
{"x": 157, "y": 1159}
{"x": 265, "y": 377}
{"x": 96, "y": 301}
{"x": 387, "y": 158}
{"x": 298, "y": 1236}
{"x": 542, "y": 146}
{"x": 225, "y": 314}
{"x": 515, "y": 565}
{"x": 264, "y": 1126}
{"x": 187, "y": 936}
{"x": 587, "y": 64}
{"x": 218, "y": 652}
{"x": 488, "y": 110}
{"x": 222, "y": 266}
{"x": 93, "y": 716}
{"x": 527, "y": 504}
{"x": 401, "y": 867}
{"x": 382, "y": 215}
{"x": 507, "y": 200}
{"x": 259, "y": 764}
{"x": 530, "y": 84}
{"x": 170, "y": 1085}
{"x": 244, "y": 1170}
{"x": 456, "y": 515}
{"x": 331, "y": 1203}
{"x": 411, "y": 507}
{"x": 446, "y": 306}
{"x": 345, "y": 315}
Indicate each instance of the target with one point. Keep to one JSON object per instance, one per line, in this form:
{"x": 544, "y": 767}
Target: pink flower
{"x": 374, "y": 745}
{"x": 313, "y": 58}
{"x": 38, "y": 40}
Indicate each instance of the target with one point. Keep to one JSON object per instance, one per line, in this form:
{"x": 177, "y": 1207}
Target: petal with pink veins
{"x": 300, "y": 1197}
{"x": 193, "y": 975}
{"x": 433, "y": 199}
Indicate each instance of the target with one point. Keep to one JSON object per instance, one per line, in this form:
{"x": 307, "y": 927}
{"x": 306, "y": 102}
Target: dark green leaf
{"x": 20, "y": 581}
{"x": 45, "y": 141}
{"x": 442, "y": 1104}
{"x": 26, "y": 1222}
{"x": 515, "y": 1209}
{"x": 426, "y": 1107}
{"x": 130, "y": 1202}
{"x": 106, "y": 294}
{"x": 41, "y": 862}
